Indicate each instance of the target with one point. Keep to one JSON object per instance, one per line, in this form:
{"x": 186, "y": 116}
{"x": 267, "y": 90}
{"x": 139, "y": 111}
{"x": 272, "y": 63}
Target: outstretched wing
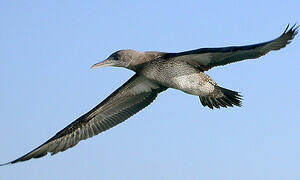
{"x": 206, "y": 58}
{"x": 137, "y": 93}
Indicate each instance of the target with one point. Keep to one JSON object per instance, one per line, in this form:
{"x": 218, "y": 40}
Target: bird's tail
{"x": 221, "y": 97}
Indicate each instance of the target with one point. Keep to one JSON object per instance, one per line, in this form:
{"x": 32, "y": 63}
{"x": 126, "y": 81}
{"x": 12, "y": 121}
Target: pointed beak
{"x": 107, "y": 62}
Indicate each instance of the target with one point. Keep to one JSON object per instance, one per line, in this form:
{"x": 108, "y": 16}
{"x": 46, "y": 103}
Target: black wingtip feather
{"x": 290, "y": 32}
{"x": 5, "y": 164}
{"x": 287, "y": 27}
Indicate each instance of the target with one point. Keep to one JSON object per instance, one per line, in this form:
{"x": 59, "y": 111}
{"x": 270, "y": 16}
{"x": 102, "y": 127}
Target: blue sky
{"x": 47, "y": 48}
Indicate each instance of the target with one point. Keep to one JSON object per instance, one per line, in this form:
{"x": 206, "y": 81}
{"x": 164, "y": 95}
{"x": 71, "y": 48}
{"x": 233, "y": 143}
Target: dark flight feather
{"x": 131, "y": 97}
{"x": 206, "y": 58}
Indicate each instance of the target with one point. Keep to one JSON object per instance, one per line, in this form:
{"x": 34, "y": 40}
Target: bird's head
{"x": 122, "y": 58}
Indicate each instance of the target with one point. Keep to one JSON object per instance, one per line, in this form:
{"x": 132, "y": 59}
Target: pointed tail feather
{"x": 225, "y": 98}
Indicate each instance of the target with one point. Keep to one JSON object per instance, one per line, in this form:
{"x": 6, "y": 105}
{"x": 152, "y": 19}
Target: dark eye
{"x": 116, "y": 57}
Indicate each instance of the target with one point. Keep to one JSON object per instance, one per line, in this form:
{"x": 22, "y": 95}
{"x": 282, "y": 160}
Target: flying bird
{"x": 155, "y": 72}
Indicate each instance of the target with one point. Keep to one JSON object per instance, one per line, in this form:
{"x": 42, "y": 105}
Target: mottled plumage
{"x": 155, "y": 72}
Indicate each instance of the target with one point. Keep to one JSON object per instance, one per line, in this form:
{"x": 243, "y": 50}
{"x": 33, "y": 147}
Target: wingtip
{"x": 289, "y": 34}
{"x": 287, "y": 27}
{"x": 5, "y": 164}
{"x": 293, "y": 29}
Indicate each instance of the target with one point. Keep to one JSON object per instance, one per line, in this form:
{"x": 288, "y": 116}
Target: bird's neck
{"x": 142, "y": 59}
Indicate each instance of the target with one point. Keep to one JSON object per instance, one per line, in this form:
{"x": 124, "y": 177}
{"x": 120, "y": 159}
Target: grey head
{"x": 122, "y": 58}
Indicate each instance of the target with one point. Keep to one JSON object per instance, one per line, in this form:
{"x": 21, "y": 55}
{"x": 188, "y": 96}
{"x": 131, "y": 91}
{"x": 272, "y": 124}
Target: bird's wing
{"x": 137, "y": 93}
{"x": 206, "y": 58}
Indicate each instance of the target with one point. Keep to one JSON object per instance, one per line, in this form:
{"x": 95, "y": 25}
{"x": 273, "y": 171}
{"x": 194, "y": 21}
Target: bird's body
{"x": 179, "y": 75}
{"x": 155, "y": 73}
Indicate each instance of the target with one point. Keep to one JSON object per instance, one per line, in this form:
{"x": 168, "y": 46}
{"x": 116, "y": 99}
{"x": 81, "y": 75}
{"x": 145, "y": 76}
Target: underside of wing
{"x": 206, "y": 58}
{"x": 137, "y": 93}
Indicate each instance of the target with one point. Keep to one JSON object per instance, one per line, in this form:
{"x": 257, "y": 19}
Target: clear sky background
{"x": 47, "y": 48}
